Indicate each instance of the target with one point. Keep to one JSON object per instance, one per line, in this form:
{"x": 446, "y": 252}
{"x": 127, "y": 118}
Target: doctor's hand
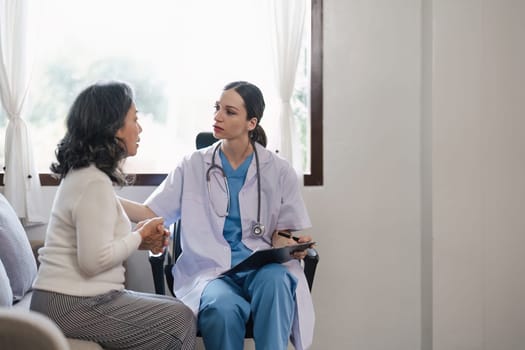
{"x": 285, "y": 238}
{"x": 154, "y": 235}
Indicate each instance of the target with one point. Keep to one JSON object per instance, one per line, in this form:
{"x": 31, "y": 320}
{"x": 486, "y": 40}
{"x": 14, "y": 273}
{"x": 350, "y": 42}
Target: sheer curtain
{"x": 288, "y": 23}
{"x": 21, "y": 180}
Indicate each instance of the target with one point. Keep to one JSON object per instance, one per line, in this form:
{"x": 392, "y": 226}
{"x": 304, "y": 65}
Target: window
{"x": 176, "y": 68}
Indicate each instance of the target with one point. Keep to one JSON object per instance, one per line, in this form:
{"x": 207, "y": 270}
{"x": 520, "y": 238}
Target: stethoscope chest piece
{"x": 258, "y": 229}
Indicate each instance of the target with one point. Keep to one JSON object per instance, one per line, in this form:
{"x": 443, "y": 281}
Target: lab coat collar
{"x": 208, "y": 153}
{"x": 263, "y": 153}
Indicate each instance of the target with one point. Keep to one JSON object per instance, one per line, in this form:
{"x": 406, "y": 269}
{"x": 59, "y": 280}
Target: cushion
{"x": 15, "y": 251}
{"x": 6, "y": 295}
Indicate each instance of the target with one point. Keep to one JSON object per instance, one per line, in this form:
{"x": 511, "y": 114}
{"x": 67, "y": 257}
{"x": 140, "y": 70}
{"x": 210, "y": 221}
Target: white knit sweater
{"x": 88, "y": 237}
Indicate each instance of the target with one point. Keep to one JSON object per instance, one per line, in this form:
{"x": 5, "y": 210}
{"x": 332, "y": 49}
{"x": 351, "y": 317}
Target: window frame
{"x": 315, "y": 178}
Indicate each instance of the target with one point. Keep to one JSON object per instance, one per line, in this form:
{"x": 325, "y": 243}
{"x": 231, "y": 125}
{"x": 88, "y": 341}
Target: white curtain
{"x": 288, "y": 17}
{"x": 21, "y": 181}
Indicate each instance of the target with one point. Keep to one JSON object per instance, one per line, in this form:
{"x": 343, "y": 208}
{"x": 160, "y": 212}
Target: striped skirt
{"x": 121, "y": 319}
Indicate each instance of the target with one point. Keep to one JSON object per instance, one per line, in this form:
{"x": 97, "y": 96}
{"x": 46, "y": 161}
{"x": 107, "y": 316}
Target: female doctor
{"x": 233, "y": 198}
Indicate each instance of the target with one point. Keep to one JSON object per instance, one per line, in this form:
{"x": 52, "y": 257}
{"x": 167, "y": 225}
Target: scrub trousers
{"x": 268, "y": 294}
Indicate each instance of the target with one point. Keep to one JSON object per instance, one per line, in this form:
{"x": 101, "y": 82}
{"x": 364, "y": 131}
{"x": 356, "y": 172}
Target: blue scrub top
{"x": 232, "y": 225}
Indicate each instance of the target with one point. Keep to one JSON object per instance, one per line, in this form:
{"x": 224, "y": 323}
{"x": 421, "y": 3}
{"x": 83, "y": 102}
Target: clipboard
{"x": 267, "y": 256}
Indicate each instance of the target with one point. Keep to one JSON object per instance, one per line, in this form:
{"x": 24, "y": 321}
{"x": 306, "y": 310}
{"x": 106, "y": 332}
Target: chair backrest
{"x": 20, "y": 329}
{"x": 204, "y": 139}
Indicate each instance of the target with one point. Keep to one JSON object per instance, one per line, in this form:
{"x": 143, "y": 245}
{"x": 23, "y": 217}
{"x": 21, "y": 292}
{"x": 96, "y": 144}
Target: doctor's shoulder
{"x": 281, "y": 165}
{"x": 194, "y": 161}
{"x": 277, "y": 172}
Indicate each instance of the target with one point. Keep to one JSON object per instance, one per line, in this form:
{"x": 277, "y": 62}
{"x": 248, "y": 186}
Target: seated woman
{"x": 80, "y": 283}
{"x": 235, "y": 197}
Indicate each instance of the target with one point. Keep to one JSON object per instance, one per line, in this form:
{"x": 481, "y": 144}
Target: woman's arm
{"x": 136, "y": 211}
{"x": 103, "y": 239}
{"x": 103, "y": 243}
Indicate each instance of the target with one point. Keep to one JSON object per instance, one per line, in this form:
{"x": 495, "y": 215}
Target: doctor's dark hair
{"x": 254, "y": 104}
{"x": 94, "y": 118}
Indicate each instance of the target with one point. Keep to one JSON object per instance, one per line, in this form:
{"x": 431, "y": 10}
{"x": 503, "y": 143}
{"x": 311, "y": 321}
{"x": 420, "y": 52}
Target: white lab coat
{"x": 205, "y": 253}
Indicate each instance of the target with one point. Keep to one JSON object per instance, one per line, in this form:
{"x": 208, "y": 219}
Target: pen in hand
{"x": 287, "y": 235}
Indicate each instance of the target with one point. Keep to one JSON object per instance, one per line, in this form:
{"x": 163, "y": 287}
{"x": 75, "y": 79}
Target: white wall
{"x": 479, "y": 174}
{"x": 367, "y": 217}
{"x": 420, "y": 222}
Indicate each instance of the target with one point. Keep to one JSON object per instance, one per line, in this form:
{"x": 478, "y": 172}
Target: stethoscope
{"x": 257, "y": 228}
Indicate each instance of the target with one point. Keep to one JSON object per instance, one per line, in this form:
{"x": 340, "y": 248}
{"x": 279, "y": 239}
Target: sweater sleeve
{"x": 104, "y": 237}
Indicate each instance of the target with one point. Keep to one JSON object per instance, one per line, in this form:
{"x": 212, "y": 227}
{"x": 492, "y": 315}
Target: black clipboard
{"x": 267, "y": 256}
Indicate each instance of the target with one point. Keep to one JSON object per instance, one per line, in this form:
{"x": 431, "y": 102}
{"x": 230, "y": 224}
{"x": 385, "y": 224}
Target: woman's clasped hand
{"x": 155, "y": 237}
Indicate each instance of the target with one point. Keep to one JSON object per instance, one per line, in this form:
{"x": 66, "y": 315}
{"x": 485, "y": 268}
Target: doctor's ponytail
{"x": 258, "y": 135}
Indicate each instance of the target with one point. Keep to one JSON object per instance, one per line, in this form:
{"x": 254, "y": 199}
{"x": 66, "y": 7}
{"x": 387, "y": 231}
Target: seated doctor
{"x": 80, "y": 282}
{"x": 232, "y": 198}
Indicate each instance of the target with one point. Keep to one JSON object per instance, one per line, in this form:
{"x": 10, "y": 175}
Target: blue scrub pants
{"x": 226, "y": 303}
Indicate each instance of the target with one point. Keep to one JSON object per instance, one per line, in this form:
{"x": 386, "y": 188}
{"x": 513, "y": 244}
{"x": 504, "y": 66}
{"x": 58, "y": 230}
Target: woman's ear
{"x": 252, "y": 123}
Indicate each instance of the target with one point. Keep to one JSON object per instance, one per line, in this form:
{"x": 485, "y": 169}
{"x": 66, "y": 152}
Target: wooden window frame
{"x": 315, "y": 178}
